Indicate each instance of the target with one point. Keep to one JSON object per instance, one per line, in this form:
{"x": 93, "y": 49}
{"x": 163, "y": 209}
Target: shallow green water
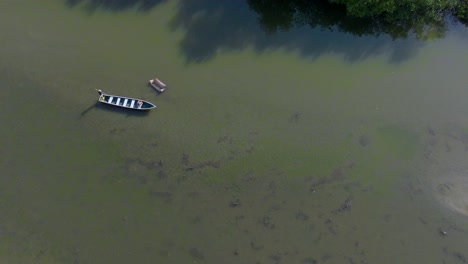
{"x": 264, "y": 148}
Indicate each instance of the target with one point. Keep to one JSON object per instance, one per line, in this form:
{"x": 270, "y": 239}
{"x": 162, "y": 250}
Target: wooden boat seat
{"x": 125, "y": 102}
{"x": 158, "y": 85}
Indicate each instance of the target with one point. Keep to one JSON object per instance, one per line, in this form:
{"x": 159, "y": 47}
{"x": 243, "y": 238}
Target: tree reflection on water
{"x": 115, "y": 5}
{"x": 311, "y": 28}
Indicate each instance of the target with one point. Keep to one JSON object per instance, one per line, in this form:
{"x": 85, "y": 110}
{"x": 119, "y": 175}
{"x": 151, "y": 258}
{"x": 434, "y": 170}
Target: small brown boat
{"x": 158, "y": 85}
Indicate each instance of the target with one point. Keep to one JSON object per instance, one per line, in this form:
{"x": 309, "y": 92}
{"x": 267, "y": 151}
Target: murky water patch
{"x": 250, "y": 157}
{"x": 445, "y": 166}
{"x": 452, "y": 191}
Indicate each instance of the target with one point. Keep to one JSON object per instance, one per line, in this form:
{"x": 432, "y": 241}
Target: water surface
{"x": 301, "y": 146}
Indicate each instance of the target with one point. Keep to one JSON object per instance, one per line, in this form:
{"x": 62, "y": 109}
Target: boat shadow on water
{"x": 109, "y": 108}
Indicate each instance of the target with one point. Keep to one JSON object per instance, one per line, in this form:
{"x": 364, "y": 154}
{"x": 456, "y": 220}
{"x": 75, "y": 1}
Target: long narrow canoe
{"x": 125, "y": 102}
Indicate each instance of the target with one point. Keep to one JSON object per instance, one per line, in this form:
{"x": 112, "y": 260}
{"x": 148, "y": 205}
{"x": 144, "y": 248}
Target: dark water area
{"x": 235, "y": 25}
{"x": 288, "y": 134}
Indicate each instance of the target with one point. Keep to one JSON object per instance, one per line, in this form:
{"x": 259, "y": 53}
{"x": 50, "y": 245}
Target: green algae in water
{"x": 388, "y": 156}
{"x": 396, "y": 142}
{"x": 380, "y": 163}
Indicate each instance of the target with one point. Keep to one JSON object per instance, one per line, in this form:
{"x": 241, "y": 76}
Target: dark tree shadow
{"x": 309, "y": 28}
{"x": 115, "y": 5}
{"x": 213, "y": 26}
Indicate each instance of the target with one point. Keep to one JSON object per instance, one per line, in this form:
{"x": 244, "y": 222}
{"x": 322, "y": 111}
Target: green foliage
{"x": 402, "y": 10}
{"x": 367, "y": 8}
{"x": 397, "y": 18}
{"x": 462, "y": 11}
{"x": 425, "y": 17}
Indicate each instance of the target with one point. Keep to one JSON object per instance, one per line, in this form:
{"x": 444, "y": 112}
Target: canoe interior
{"x": 159, "y": 89}
{"x": 126, "y": 102}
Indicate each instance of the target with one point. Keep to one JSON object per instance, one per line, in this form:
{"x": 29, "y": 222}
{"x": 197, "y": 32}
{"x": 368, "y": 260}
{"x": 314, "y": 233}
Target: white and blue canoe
{"x": 124, "y": 102}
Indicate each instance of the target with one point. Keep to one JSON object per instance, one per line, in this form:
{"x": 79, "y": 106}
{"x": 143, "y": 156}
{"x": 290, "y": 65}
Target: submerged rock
{"x": 364, "y": 140}
{"x": 235, "y": 203}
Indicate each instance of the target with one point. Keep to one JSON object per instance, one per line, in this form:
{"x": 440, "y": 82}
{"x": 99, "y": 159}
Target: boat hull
{"x": 125, "y": 102}
{"x": 158, "y": 85}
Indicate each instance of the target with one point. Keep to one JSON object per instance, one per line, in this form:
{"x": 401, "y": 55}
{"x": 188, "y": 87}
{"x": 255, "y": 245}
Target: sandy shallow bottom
{"x": 452, "y": 192}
